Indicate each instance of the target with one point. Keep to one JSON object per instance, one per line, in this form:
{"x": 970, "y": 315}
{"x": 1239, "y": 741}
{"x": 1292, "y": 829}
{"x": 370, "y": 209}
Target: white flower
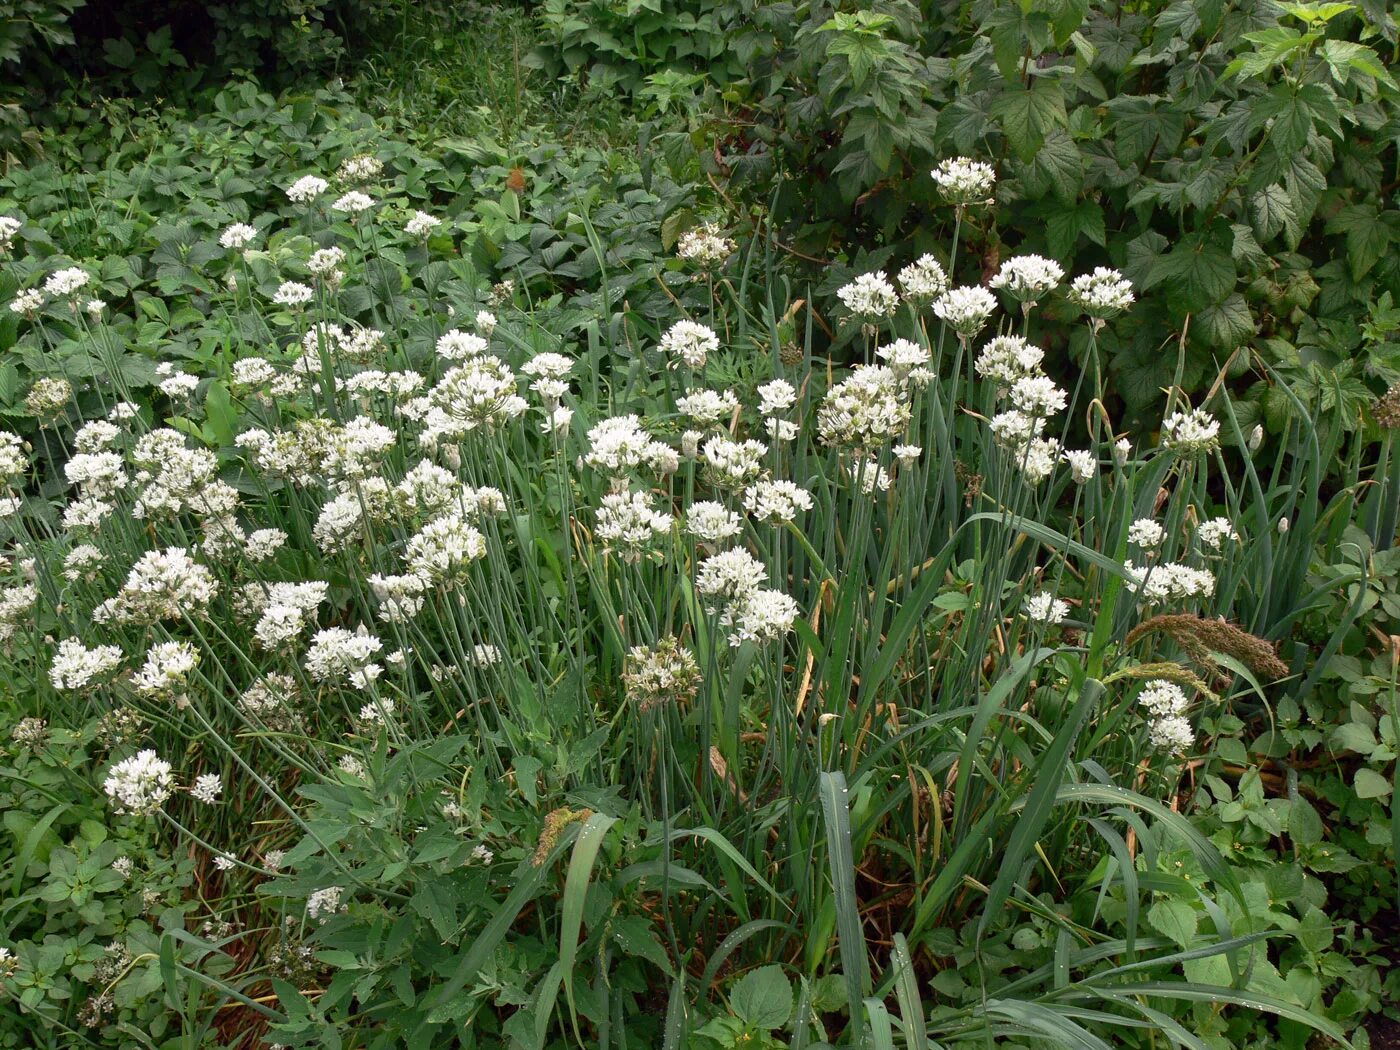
{"x": 707, "y": 406}
{"x": 1147, "y": 534}
{"x": 1172, "y": 734}
{"x": 456, "y": 345}
{"x": 123, "y": 866}
{"x": 485, "y": 322}
{"x": 442, "y": 549}
{"x": 1122, "y": 449}
{"x": 1191, "y": 433}
{"x": 1161, "y": 698}
{"x": 293, "y": 294}
{"x": 207, "y": 788}
{"x": 903, "y": 356}
{"x": 376, "y": 713}
{"x": 963, "y": 180}
{"x": 776, "y": 397}
{"x": 139, "y": 784}
{"x": 239, "y": 235}
{"x": 618, "y": 445}
{"x": 400, "y": 597}
{"x": 906, "y": 455}
{"x": 776, "y": 501}
{"x": 354, "y": 202}
{"x": 9, "y": 226}
{"x": 965, "y": 309}
{"x": 167, "y": 666}
{"x": 1215, "y": 532}
{"x": 1101, "y": 294}
{"x": 1169, "y": 581}
{"x": 760, "y": 617}
{"x": 1037, "y": 396}
{"x": 870, "y": 297}
{"x": 325, "y": 263}
{"x": 733, "y": 463}
{"x": 69, "y": 281}
{"x": 689, "y": 343}
{"x": 923, "y": 280}
{"x": 180, "y": 385}
{"x": 337, "y": 655}
{"x": 224, "y": 861}
{"x": 1082, "y": 465}
{"x": 27, "y": 302}
{"x": 864, "y": 410}
{"x": 76, "y": 667}
{"x": 264, "y": 543}
{"x": 324, "y": 903}
{"x": 1028, "y": 278}
{"x": 485, "y": 654}
{"x": 94, "y": 308}
{"x": 421, "y": 224}
{"x": 628, "y": 525}
{"x": 362, "y": 167}
{"x": 712, "y": 522}
{"x": 1044, "y": 607}
{"x": 82, "y": 562}
{"x": 307, "y": 189}
{"x": 729, "y": 576}
{"x": 706, "y": 245}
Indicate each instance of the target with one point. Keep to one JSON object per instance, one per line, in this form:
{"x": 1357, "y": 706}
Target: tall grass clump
{"x": 674, "y": 688}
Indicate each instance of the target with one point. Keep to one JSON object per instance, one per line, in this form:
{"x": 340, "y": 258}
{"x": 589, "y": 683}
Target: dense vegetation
{"x": 705, "y": 524}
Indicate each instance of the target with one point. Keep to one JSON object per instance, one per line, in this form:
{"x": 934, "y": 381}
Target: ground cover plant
{"x": 470, "y": 582}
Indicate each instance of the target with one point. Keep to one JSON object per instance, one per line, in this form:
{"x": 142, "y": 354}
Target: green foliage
{"x": 621, "y": 44}
{"x": 1238, "y": 152}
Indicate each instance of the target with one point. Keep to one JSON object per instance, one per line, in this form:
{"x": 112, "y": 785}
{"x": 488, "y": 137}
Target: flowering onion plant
{"x": 506, "y": 688}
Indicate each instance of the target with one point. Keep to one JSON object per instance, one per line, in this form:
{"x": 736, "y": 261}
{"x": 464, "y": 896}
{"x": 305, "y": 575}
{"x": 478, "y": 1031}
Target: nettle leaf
{"x": 1143, "y": 124}
{"x": 1057, "y": 168}
{"x": 1225, "y": 325}
{"x": 1273, "y": 212}
{"x": 1197, "y": 272}
{"x": 1027, "y": 115}
{"x": 1065, "y": 225}
{"x": 1367, "y": 237}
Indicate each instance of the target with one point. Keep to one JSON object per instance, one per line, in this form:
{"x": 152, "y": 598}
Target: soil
{"x": 1384, "y": 1032}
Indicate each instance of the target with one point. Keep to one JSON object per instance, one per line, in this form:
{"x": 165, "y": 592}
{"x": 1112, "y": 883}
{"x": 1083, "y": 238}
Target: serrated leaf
{"x": 1226, "y": 324}
{"x": 1028, "y": 114}
{"x": 1175, "y": 919}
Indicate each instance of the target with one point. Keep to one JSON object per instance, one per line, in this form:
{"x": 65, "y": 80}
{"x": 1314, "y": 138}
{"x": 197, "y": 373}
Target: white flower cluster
{"x": 688, "y": 343}
{"x": 1191, "y": 433}
{"x": 706, "y": 245}
{"x": 1028, "y": 278}
{"x": 1101, "y": 294}
{"x": 628, "y": 525}
{"x": 870, "y": 298}
{"x": 1169, "y": 582}
{"x": 965, "y": 310}
{"x": 1166, "y": 704}
{"x": 731, "y": 584}
{"x": 923, "y": 280}
{"x": 140, "y": 784}
{"x": 964, "y": 181}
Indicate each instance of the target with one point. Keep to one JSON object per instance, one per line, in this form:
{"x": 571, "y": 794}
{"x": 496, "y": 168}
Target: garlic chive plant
{"x": 825, "y": 657}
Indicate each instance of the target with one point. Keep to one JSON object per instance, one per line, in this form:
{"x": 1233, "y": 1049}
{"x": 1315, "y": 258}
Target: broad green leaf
{"x": 762, "y": 998}
{"x": 1028, "y": 114}
{"x": 1175, "y": 919}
